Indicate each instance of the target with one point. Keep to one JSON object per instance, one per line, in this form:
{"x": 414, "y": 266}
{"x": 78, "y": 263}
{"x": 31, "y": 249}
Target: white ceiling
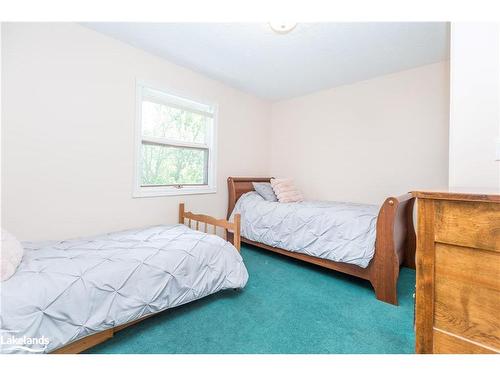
{"x": 312, "y": 57}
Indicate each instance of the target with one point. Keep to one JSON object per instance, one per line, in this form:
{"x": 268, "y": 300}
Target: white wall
{"x": 366, "y": 141}
{"x": 475, "y": 108}
{"x": 68, "y": 126}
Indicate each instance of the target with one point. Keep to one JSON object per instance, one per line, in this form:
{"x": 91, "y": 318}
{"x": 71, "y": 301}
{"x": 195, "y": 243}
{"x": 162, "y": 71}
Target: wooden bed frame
{"x": 191, "y": 218}
{"x": 394, "y": 246}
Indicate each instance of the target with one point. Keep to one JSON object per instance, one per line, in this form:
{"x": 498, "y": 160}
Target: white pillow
{"x": 11, "y": 254}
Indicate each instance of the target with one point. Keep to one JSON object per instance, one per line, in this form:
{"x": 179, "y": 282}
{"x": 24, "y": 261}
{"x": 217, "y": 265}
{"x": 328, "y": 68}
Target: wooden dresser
{"x": 458, "y": 273}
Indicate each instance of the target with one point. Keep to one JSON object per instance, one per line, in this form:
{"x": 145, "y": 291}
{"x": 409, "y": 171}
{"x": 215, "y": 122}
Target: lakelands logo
{"x": 29, "y": 344}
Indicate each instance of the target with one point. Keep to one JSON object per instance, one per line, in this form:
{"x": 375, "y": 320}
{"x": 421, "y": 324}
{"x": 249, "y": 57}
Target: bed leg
{"x": 384, "y": 277}
{"x": 386, "y": 292}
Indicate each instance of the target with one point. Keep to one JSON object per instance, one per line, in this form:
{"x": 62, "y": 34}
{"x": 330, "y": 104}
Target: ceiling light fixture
{"x": 282, "y": 27}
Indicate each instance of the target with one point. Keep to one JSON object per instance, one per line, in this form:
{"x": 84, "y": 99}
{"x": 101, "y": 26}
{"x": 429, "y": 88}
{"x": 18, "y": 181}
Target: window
{"x": 175, "y": 144}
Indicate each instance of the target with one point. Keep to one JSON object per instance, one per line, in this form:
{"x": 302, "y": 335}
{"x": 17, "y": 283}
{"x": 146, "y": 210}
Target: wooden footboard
{"x": 395, "y": 243}
{"x": 395, "y": 246}
{"x": 194, "y": 220}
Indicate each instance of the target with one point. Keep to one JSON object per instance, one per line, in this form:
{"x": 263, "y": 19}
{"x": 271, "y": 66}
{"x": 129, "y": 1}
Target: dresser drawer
{"x": 445, "y": 343}
{"x": 467, "y": 295}
{"x": 471, "y": 224}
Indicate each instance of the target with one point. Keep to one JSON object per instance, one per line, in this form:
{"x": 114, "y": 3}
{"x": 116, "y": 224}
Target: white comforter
{"x": 67, "y": 290}
{"x": 338, "y": 231}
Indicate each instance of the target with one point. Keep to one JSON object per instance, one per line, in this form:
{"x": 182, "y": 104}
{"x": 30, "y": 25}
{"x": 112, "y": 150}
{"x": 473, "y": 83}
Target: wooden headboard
{"x": 237, "y": 186}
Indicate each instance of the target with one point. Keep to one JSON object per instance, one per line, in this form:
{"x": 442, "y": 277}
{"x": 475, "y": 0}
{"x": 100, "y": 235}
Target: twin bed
{"x": 365, "y": 241}
{"x": 72, "y": 295}
{"x": 78, "y": 293}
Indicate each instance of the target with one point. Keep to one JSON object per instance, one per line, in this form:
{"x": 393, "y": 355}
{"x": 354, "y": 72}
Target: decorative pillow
{"x": 265, "y": 190}
{"x": 11, "y": 254}
{"x": 286, "y": 191}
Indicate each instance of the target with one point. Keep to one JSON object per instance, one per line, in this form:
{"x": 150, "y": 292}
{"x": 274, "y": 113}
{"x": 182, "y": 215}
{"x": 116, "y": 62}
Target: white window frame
{"x": 158, "y": 191}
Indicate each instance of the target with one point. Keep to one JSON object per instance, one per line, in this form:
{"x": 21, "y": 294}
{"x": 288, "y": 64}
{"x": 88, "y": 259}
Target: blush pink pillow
{"x": 286, "y": 191}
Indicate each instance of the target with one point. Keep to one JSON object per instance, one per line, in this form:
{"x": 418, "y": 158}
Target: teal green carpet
{"x": 287, "y": 307}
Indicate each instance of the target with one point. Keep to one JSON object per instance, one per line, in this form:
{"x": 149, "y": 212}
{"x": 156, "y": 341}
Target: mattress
{"x": 338, "y": 231}
{"x": 64, "y": 291}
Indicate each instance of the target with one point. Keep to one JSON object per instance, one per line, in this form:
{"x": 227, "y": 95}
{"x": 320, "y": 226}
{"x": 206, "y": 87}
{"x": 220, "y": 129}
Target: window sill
{"x": 144, "y": 192}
